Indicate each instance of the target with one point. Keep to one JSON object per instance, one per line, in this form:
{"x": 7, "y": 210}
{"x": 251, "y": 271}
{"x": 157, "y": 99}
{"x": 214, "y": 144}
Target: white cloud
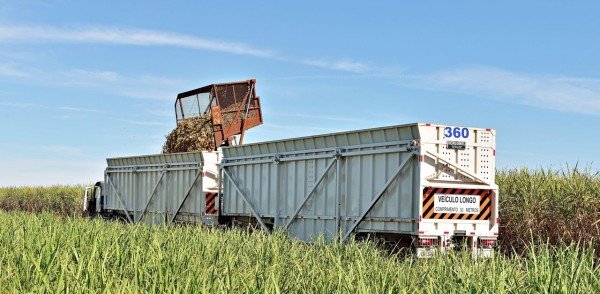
{"x": 63, "y": 150}
{"x": 79, "y": 110}
{"x": 140, "y": 122}
{"x": 342, "y": 65}
{"x": 281, "y": 127}
{"x": 577, "y": 95}
{"x": 18, "y": 105}
{"x": 95, "y": 75}
{"x": 33, "y": 105}
{"x": 125, "y": 36}
{"x": 11, "y": 70}
{"x": 21, "y": 56}
{"x": 132, "y": 86}
{"x": 322, "y": 117}
{"x": 160, "y": 113}
{"x": 142, "y": 37}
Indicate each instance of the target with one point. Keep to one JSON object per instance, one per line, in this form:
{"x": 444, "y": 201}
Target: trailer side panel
{"x": 360, "y": 181}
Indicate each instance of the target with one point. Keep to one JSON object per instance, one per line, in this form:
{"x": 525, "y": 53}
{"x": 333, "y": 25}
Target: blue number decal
{"x": 456, "y": 132}
{"x": 465, "y": 133}
{"x": 448, "y": 132}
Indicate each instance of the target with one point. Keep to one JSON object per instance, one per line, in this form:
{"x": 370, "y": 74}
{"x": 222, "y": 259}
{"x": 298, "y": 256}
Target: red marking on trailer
{"x": 209, "y": 203}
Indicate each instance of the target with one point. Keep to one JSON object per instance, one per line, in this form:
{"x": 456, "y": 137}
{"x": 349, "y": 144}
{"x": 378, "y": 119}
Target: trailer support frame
{"x": 457, "y": 168}
{"x": 120, "y": 198}
{"x": 379, "y": 196}
{"x": 310, "y": 193}
{"x": 152, "y": 195}
{"x": 256, "y": 215}
{"x": 189, "y": 191}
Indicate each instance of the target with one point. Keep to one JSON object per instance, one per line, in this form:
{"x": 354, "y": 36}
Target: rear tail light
{"x": 487, "y": 243}
{"x": 426, "y": 242}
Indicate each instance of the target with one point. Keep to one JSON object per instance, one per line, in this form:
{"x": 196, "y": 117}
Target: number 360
{"x": 456, "y": 132}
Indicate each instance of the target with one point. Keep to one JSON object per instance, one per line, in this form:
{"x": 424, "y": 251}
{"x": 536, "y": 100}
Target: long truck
{"x": 428, "y": 186}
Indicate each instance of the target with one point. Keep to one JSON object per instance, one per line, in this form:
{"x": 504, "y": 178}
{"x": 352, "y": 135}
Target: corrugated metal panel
{"x": 358, "y": 181}
{"x": 359, "y": 137}
{"x": 156, "y": 159}
{"x": 348, "y": 169}
{"x": 154, "y": 188}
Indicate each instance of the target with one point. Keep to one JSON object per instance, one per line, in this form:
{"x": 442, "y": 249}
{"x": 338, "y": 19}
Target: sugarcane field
{"x": 273, "y": 147}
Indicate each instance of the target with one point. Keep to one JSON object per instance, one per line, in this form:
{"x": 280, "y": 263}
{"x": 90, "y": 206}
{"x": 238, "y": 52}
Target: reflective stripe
{"x": 485, "y": 206}
{"x": 210, "y": 203}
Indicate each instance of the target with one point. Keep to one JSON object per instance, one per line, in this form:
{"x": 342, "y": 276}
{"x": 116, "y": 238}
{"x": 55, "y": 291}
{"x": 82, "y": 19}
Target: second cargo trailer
{"x": 430, "y": 184}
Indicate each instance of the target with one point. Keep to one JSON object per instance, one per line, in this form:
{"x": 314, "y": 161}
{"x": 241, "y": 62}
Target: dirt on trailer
{"x": 192, "y": 134}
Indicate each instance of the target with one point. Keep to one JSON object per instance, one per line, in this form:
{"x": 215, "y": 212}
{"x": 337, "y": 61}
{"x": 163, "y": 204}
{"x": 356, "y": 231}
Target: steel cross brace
{"x": 262, "y": 224}
{"x": 314, "y": 188}
{"x": 119, "y": 197}
{"x": 152, "y": 195}
{"x": 378, "y": 197}
{"x": 189, "y": 191}
{"x": 439, "y": 157}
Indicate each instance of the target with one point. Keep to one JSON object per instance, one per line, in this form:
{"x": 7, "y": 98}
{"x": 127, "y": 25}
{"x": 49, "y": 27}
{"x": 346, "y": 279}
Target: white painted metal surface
{"x": 424, "y": 181}
{"x": 161, "y": 188}
{"x": 472, "y": 168}
{"x": 371, "y": 180}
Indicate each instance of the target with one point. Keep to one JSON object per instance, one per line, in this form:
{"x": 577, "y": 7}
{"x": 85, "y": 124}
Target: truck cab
{"x": 93, "y": 199}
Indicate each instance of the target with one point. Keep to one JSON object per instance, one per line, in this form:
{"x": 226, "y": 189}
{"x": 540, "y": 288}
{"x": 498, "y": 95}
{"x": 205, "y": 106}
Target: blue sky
{"x": 81, "y": 81}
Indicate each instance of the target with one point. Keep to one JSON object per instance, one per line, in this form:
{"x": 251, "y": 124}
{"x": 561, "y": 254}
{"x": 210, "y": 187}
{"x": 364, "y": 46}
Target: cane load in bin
{"x": 232, "y": 108}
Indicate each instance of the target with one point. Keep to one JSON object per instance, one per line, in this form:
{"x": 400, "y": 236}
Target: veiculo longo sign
{"x": 449, "y": 203}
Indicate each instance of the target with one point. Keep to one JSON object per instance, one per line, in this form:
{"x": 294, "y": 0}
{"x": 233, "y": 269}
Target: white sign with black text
{"x": 449, "y": 203}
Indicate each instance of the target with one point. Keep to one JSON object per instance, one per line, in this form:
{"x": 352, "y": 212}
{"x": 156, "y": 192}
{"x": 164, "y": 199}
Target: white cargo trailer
{"x": 161, "y": 188}
{"x": 427, "y": 183}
